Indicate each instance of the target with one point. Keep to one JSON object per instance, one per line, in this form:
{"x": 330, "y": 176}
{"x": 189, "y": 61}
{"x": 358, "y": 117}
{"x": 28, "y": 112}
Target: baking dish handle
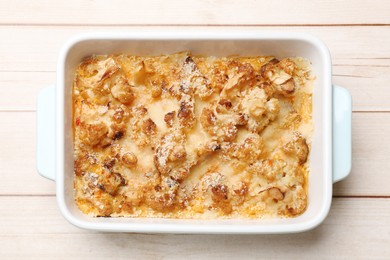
{"x": 46, "y": 132}
{"x": 342, "y": 128}
{"x": 342, "y": 133}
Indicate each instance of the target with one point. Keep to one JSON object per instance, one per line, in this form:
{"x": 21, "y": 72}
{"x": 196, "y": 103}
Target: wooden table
{"x": 358, "y": 35}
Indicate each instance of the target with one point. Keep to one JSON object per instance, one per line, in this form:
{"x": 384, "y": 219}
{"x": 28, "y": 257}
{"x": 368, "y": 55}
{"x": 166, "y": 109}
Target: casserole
{"x": 183, "y": 136}
{"x": 330, "y": 157}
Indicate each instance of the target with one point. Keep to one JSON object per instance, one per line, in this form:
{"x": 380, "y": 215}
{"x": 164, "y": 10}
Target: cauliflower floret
{"x": 122, "y": 91}
{"x": 169, "y": 156}
{"x": 260, "y": 110}
{"x": 280, "y": 74}
{"x": 297, "y": 147}
{"x": 93, "y": 134}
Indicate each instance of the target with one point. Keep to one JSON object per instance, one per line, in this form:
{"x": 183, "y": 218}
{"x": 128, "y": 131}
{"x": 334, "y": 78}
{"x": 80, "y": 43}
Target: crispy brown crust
{"x": 185, "y": 136}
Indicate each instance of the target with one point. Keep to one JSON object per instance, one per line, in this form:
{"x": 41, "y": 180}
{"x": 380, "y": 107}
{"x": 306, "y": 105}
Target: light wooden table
{"x": 358, "y": 35}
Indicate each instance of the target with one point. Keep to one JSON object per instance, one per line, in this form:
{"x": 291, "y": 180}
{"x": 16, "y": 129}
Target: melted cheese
{"x": 182, "y": 136}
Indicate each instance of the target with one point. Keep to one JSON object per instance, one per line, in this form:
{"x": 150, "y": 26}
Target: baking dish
{"x": 330, "y": 157}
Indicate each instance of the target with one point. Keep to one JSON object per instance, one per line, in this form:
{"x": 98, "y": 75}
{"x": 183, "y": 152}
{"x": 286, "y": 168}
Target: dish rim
{"x": 190, "y": 228}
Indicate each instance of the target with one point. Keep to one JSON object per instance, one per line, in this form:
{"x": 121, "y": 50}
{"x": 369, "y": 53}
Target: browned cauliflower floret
{"x": 93, "y": 134}
{"x": 103, "y": 203}
{"x": 241, "y": 192}
{"x": 220, "y": 192}
{"x": 249, "y": 151}
{"x": 296, "y": 201}
{"x": 122, "y": 91}
{"x": 266, "y": 69}
{"x": 169, "y": 151}
{"x": 190, "y": 81}
{"x": 293, "y": 198}
{"x": 243, "y": 77}
{"x": 164, "y": 197}
{"x": 186, "y": 114}
{"x": 287, "y": 87}
{"x": 96, "y": 96}
{"x": 275, "y": 194}
{"x": 268, "y": 88}
{"x": 94, "y": 79}
{"x": 280, "y": 74}
{"x": 83, "y": 163}
{"x": 110, "y": 182}
{"x": 287, "y": 65}
{"x": 141, "y": 128}
{"x": 225, "y": 129}
{"x": 260, "y": 110}
{"x": 224, "y": 106}
{"x": 193, "y": 79}
{"x": 298, "y": 148}
{"x": 95, "y": 70}
{"x": 214, "y": 186}
{"x": 208, "y": 121}
{"x": 232, "y": 87}
{"x": 117, "y": 131}
{"x": 102, "y": 182}
{"x": 272, "y": 170}
{"x": 121, "y": 114}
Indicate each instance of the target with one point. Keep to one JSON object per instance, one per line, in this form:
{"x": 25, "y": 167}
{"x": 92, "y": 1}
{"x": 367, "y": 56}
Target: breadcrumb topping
{"x": 185, "y": 136}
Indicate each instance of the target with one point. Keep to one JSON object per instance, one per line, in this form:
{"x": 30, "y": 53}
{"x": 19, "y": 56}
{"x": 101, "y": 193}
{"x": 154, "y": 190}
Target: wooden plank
{"x": 368, "y": 178}
{"x": 360, "y": 69}
{"x": 118, "y": 12}
{"x": 370, "y": 156}
{"x": 355, "y": 228}
{"x": 17, "y": 156}
{"x": 367, "y": 84}
{"x": 19, "y": 90}
{"x": 30, "y": 223}
{"x": 32, "y": 48}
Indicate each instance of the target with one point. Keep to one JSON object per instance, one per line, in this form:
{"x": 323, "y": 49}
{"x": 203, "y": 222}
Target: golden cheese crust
{"x": 183, "y": 136}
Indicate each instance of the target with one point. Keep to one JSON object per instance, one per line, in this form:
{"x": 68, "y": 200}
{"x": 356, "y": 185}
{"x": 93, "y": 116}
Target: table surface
{"x": 358, "y": 36}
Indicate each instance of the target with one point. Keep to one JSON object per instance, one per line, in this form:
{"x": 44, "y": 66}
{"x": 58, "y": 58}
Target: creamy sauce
{"x": 181, "y": 136}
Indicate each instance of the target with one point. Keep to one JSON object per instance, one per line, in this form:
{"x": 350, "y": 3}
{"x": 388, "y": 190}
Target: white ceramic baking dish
{"x": 330, "y": 157}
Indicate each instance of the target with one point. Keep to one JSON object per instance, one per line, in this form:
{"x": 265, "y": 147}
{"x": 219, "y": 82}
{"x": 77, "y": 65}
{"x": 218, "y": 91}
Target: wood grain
{"x": 370, "y": 160}
{"x": 360, "y": 64}
{"x": 368, "y": 85}
{"x": 202, "y": 12}
{"x": 46, "y": 235}
{"x": 358, "y": 36}
{"x": 18, "y": 90}
{"x": 368, "y": 178}
{"x": 17, "y": 156}
{"x": 36, "y": 48}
